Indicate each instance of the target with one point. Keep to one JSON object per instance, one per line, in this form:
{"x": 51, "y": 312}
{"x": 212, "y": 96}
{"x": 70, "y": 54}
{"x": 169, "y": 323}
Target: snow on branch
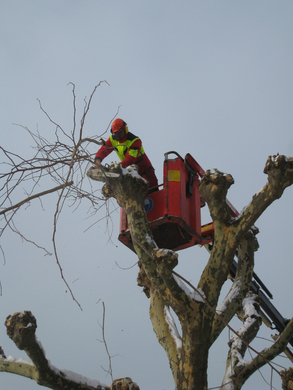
{"x": 21, "y": 329}
{"x": 173, "y": 328}
{"x": 193, "y": 294}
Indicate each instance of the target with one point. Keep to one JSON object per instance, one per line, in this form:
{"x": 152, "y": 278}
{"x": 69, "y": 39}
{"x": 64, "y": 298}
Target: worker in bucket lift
{"x": 129, "y": 150}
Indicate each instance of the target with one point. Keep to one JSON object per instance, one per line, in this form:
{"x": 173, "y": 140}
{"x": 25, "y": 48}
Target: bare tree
{"x": 57, "y": 164}
{"x": 201, "y": 317}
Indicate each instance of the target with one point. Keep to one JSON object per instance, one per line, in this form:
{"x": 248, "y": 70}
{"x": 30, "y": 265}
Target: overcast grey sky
{"x": 210, "y": 78}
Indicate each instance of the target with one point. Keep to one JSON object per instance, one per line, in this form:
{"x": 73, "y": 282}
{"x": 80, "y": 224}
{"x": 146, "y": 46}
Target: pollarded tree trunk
{"x": 194, "y": 360}
{"x": 188, "y": 358}
{"x": 200, "y": 319}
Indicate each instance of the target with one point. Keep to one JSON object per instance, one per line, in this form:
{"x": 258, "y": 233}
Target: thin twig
{"x": 105, "y": 343}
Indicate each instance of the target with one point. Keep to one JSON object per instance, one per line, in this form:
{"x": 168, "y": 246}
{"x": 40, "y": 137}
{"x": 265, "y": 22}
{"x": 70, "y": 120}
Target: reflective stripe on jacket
{"x": 130, "y": 151}
{"x": 127, "y": 147}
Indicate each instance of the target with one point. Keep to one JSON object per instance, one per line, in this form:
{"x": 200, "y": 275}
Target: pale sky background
{"x": 210, "y": 78}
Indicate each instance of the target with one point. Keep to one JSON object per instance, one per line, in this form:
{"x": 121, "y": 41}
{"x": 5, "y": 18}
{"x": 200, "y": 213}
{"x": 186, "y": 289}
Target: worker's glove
{"x": 98, "y": 162}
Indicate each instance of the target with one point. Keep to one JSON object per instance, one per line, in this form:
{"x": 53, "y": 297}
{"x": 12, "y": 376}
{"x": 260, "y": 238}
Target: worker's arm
{"x": 103, "y": 152}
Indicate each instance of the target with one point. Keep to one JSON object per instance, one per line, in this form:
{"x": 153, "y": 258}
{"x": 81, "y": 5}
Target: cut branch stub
{"x": 165, "y": 259}
{"x": 124, "y": 384}
{"x": 287, "y": 379}
{"x": 123, "y": 184}
{"x": 280, "y": 173}
{"x": 214, "y": 187}
{"x": 21, "y": 328}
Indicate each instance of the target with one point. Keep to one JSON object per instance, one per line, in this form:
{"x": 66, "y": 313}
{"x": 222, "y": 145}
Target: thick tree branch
{"x": 213, "y": 187}
{"x": 229, "y": 231}
{"x": 19, "y": 367}
{"x": 129, "y": 189}
{"x": 251, "y": 323}
{"x": 240, "y": 286}
{"x": 165, "y": 261}
{"x": 245, "y": 370}
{"x": 280, "y": 176}
{"x": 165, "y": 330}
{"x": 21, "y": 329}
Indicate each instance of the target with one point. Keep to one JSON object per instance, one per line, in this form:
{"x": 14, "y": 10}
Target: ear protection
{"x": 113, "y": 136}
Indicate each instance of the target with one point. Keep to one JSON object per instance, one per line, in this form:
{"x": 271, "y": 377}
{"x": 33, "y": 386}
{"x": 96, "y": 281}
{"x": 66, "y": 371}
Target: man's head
{"x": 119, "y": 129}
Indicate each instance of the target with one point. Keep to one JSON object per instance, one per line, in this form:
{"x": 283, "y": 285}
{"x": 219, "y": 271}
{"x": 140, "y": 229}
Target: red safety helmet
{"x": 118, "y": 124}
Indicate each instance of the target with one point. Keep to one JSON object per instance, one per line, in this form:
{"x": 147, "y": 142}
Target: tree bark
{"x": 21, "y": 329}
{"x": 200, "y": 323}
{"x": 241, "y": 284}
{"x": 238, "y": 343}
{"x": 287, "y": 379}
{"x": 245, "y": 370}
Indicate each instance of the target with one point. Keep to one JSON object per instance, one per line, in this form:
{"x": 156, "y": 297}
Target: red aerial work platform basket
{"x": 174, "y": 212}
